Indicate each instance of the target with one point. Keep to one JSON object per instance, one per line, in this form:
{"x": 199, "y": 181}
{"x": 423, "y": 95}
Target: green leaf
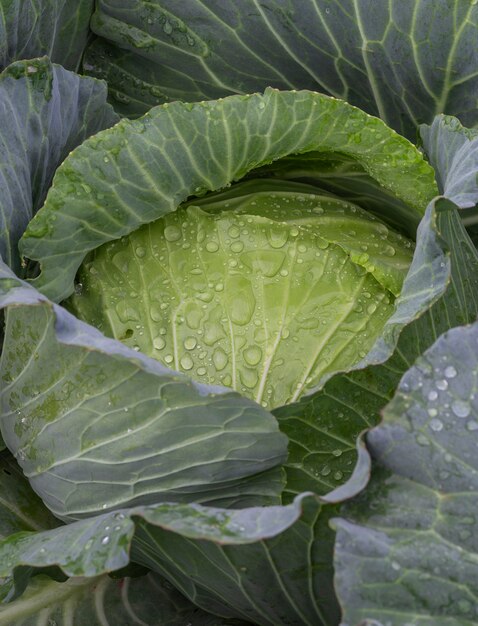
{"x": 268, "y": 565}
{"x": 406, "y": 548}
{"x": 404, "y": 60}
{"x": 139, "y": 171}
{"x": 95, "y": 425}
{"x": 453, "y": 151}
{"x": 20, "y": 508}
{"x": 46, "y": 112}
{"x": 101, "y": 601}
{"x": 56, "y": 28}
{"x": 323, "y": 426}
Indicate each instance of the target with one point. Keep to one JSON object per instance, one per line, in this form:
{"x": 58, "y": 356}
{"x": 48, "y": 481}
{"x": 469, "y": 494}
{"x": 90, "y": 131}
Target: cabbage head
{"x": 265, "y": 288}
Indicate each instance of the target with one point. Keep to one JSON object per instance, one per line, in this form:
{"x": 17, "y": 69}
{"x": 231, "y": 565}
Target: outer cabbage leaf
{"x": 453, "y": 151}
{"x": 103, "y": 601}
{"x": 33, "y": 28}
{"x": 97, "y": 600}
{"x": 45, "y": 112}
{"x": 268, "y": 565}
{"x": 96, "y": 425}
{"x": 139, "y": 171}
{"x": 406, "y": 548}
{"x": 404, "y": 60}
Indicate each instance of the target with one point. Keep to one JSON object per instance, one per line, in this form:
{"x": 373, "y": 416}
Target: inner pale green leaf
{"x": 265, "y": 293}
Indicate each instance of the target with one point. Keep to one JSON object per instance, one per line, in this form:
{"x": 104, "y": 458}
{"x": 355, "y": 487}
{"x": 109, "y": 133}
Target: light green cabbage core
{"x": 265, "y": 292}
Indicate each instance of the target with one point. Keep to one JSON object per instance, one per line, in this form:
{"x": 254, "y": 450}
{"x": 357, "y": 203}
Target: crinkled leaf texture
{"x": 410, "y": 538}
{"x": 96, "y": 425}
{"x": 45, "y": 113}
{"x": 404, "y": 60}
{"x": 33, "y": 28}
{"x": 406, "y": 549}
{"x": 268, "y": 565}
{"x": 453, "y": 151}
{"x": 140, "y": 170}
{"x": 102, "y": 601}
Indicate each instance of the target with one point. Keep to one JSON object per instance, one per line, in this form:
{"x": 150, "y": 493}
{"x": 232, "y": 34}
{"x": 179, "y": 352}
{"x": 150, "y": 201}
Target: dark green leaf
{"x": 33, "y": 28}
{"x": 404, "y": 60}
{"x": 268, "y": 565}
{"x": 45, "y": 113}
{"x": 101, "y": 601}
{"x": 406, "y": 549}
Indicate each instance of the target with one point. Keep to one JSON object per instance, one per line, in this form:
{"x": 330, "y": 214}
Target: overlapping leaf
{"x": 95, "y": 425}
{"x": 102, "y": 601}
{"x": 141, "y": 170}
{"x": 45, "y": 112}
{"x": 406, "y": 549}
{"x": 268, "y": 565}
{"x": 58, "y": 29}
{"x": 404, "y": 60}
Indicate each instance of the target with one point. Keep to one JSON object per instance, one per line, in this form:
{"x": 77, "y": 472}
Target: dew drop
{"x": 220, "y": 360}
{"x": 252, "y": 355}
{"x": 472, "y": 425}
{"x": 460, "y": 408}
{"x": 436, "y": 424}
{"x": 140, "y": 252}
{"x": 158, "y": 343}
{"x": 212, "y": 246}
{"x": 237, "y": 246}
{"x": 201, "y": 371}
{"x": 172, "y": 233}
{"x": 442, "y": 384}
{"x": 186, "y": 362}
{"x": 105, "y": 540}
{"x": 338, "y": 475}
{"x": 433, "y": 395}
{"x": 190, "y": 343}
{"x": 450, "y": 372}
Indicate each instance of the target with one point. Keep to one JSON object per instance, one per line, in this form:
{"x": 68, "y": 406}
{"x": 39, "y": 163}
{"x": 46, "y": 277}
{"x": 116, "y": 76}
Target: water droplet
{"x": 169, "y": 358}
{"x": 252, "y": 355}
{"x": 186, "y": 362}
{"x": 436, "y": 424}
{"x": 201, "y": 371}
{"x": 337, "y": 452}
{"x": 395, "y": 566}
{"x": 168, "y": 29}
{"x": 140, "y": 252}
{"x": 105, "y": 540}
{"x": 190, "y": 343}
{"x": 172, "y": 233}
{"x": 338, "y": 475}
{"x": 450, "y": 372}
{"x": 472, "y": 425}
{"x": 212, "y": 246}
{"x": 158, "y": 343}
{"x": 237, "y": 246}
{"x": 442, "y": 384}
{"x": 460, "y": 408}
{"x": 433, "y": 395}
{"x": 325, "y": 471}
{"x": 220, "y": 360}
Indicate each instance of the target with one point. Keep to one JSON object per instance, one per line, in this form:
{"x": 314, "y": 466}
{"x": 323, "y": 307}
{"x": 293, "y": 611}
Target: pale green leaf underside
{"x": 56, "y": 28}
{"x": 412, "y": 537}
{"x": 95, "y": 425}
{"x": 265, "y": 293}
{"x": 403, "y": 60}
{"x": 139, "y": 171}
